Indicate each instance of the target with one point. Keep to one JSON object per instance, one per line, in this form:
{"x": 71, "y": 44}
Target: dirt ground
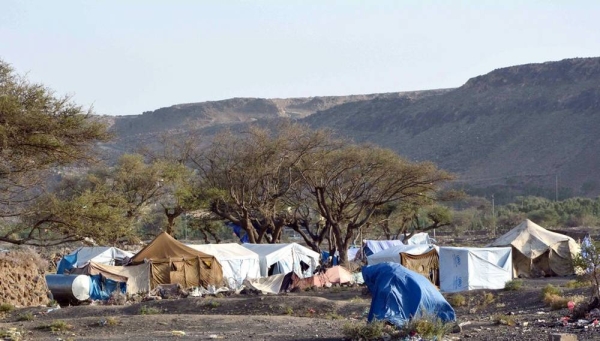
{"x": 311, "y": 315}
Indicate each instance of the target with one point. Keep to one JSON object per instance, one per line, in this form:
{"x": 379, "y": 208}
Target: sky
{"x": 127, "y": 57}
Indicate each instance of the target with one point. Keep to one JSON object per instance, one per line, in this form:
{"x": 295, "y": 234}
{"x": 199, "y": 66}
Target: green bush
{"x": 508, "y": 320}
{"x": 514, "y": 285}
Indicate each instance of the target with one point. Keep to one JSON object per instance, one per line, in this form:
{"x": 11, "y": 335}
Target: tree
{"x": 349, "y": 184}
{"x": 38, "y": 133}
{"x": 251, "y": 173}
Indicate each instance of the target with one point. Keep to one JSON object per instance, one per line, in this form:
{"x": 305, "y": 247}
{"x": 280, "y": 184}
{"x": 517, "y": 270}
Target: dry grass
{"x": 507, "y": 320}
{"x": 457, "y": 300}
{"x": 513, "y": 285}
{"x": 364, "y": 331}
{"x": 555, "y": 301}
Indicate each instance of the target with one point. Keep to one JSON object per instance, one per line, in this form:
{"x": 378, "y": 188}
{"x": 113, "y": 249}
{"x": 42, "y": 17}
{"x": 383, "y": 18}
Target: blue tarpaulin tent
{"x": 399, "y": 294}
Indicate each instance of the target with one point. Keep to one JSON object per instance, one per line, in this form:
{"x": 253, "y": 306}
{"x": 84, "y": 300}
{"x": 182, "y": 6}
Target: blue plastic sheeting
{"x": 101, "y": 287}
{"x": 400, "y": 294}
{"x": 66, "y": 263}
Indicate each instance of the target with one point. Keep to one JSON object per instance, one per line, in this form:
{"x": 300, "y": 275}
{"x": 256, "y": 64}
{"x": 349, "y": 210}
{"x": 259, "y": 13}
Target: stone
{"x": 563, "y": 337}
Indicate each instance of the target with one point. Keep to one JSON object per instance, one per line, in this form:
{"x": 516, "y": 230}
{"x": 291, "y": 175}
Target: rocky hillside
{"x": 516, "y": 126}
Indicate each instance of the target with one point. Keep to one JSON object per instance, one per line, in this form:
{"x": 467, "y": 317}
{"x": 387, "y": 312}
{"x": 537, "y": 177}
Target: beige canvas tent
{"x": 539, "y": 251}
{"x": 173, "y": 262}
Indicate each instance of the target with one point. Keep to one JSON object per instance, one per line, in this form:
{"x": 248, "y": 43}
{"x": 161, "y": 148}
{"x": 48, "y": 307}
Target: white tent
{"x": 285, "y": 258}
{"x": 374, "y": 246}
{"x": 392, "y": 254}
{"x": 238, "y": 262}
{"x": 470, "y": 268}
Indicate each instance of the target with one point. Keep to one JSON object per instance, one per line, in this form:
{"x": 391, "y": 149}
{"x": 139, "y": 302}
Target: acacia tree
{"x": 251, "y": 173}
{"x": 38, "y": 132}
{"x": 351, "y": 183}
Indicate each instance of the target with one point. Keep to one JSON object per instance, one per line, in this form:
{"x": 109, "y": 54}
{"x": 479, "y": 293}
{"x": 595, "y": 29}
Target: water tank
{"x": 69, "y": 289}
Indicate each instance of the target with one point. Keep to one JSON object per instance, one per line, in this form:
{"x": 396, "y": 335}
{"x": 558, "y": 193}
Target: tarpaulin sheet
{"x": 400, "y": 294}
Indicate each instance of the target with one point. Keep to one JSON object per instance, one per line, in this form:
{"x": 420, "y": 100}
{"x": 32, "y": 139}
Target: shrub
{"x": 146, "y": 310}
{"x": 288, "y": 310}
{"x": 550, "y": 290}
{"x": 457, "y": 300}
{"x": 212, "y": 304}
{"x": 578, "y": 283}
{"x": 57, "y": 326}
{"x": 426, "y": 326}
{"x": 555, "y": 301}
{"x": 25, "y": 317}
{"x": 11, "y": 334}
{"x": 6, "y": 307}
{"x": 487, "y": 298}
{"x": 513, "y": 285}
{"x": 508, "y": 320}
{"x": 362, "y": 331}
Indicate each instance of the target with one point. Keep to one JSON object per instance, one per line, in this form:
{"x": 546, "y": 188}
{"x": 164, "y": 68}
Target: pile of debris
{"x": 23, "y": 283}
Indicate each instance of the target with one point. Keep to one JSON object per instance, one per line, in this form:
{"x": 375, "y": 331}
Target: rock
{"x": 563, "y": 337}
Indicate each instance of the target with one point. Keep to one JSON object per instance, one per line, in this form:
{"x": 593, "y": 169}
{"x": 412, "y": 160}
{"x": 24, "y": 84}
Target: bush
{"x": 57, "y": 326}
{"x": 6, "y": 307}
{"x": 11, "y": 334}
{"x": 361, "y": 331}
{"x": 513, "y": 285}
{"x": 457, "y": 300}
{"x": 25, "y": 317}
{"x": 487, "y": 298}
{"x": 578, "y": 283}
{"x": 550, "y": 290}
{"x": 555, "y": 301}
{"x": 146, "y": 310}
{"x": 507, "y": 320}
{"x": 426, "y": 326}
{"x": 288, "y": 311}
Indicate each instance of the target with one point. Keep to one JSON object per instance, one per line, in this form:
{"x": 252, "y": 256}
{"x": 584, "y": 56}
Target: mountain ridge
{"x": 513, "y": 126}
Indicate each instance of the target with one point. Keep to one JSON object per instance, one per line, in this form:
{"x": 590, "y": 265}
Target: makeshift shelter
{"x": 135, "y": 277}
{"x": 537, "y": 251}
{"x": 272, "y": 284}
{"x": 285, "y": 258}
{"x": 470, "y": 268}
{"x": 173, "y": 262}
{"x": 99, "y": 254}
{"x": 400, "y": 294}
{"x": 426, "y": 264}
{"x": 333, "y": 275}
{"x": 238, "y": 262}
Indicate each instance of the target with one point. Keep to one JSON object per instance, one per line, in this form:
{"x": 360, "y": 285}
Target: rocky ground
{"x": 311, "y": 315}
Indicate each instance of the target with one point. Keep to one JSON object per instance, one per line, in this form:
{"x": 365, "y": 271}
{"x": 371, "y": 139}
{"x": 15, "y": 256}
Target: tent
{"x": 374, "y": 246}
{"x": 98, "y": 254}
{"x": 333, "y": 275}
{"x": 173, "y": 262}
{"x": 470, "y": 268}
{"x": 135, "y": 277}
{"x": 400, "y": 294}
{"x": 272, "y": 284}
{"x": 426, "y": 264}
{"x": 238, "y": 262}
{"x": 539, "y": 251}
{"x": 285, "y": 258}
{"x": 392, "y": 254}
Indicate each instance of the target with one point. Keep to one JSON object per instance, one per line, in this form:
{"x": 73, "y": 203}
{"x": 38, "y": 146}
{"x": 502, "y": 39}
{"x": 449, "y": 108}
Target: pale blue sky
{"x": 126, "y": 57}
